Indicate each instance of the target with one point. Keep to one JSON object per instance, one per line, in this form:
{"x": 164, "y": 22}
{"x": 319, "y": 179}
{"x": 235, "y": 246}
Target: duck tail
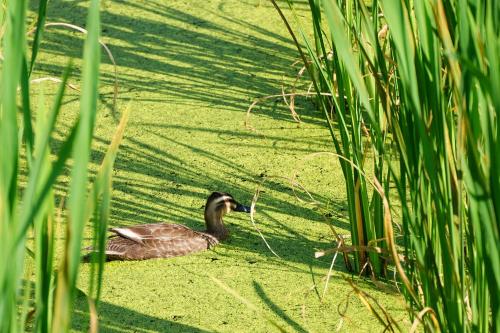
{"x": 87, "y": 258}
{"x": 93, "y": 256}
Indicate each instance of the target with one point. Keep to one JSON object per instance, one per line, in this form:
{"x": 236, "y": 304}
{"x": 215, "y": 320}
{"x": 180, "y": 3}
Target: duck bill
{"x": 243, "y": 209}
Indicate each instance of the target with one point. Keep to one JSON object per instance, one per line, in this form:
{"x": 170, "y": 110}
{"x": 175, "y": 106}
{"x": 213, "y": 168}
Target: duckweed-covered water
{"x": 189, "y": 70}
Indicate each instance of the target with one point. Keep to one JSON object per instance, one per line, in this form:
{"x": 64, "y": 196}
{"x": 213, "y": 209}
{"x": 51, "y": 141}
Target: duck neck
{"x": 215, "y": 226}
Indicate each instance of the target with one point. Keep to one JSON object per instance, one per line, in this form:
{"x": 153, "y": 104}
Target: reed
{"x": 421, "y": 79}
{"x": 345, "y": 108}
{"x": 30, "y": 209}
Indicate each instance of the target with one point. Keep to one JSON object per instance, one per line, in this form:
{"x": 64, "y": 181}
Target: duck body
{"x": 165, "y": 240}
{"x": 159, "y": 240}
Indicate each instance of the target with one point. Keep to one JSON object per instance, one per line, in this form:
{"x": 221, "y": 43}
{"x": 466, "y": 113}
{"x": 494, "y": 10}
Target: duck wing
{"x": 158, "y": 231}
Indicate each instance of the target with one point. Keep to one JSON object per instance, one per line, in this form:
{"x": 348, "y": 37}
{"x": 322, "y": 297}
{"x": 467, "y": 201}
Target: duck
{"x": 166, "y": 240}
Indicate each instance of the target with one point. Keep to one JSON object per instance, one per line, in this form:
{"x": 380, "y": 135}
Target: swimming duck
{"x": 165, "y": 240}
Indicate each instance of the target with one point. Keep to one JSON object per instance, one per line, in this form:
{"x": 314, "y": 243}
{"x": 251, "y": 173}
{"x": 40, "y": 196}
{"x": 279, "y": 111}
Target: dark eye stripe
{"x": 222, "y": 204}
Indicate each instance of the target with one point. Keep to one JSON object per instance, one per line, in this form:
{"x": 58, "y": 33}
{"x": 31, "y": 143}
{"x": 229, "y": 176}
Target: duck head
{"x": 218, "y": 204}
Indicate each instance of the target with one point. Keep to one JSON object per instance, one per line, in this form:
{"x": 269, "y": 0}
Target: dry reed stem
{"x": 252, "y": 213}
{"x": 94, "y": 318}
{"x": 291, "y": 104}
{"x": 363, "y": 296}
{"x": 293, "y": 183}
{"x": 56, "y": 80}
{"x": 421, "y": 315}
{"x": 283, "y": 95}
{"x": 350, "y": 249}
{"x": 389, "y": 234}
{"x": 328, "y": 276}
{"x": 340, "y": 248}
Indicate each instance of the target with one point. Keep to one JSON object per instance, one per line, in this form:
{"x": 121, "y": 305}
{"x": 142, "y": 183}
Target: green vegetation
{"x": 423, "y": 77}
{"x": 407, "y": 91}
{"x": 29, "y": 211}
{"x": 187, "y": 75}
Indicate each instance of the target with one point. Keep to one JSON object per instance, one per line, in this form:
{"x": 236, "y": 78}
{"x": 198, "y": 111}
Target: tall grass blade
{"x": 28, "y": 135}
{"x": 33, "y": 190}
{"x": 53, "y": 289}
{"x": 99, "y": 202}
{"x": 79, "y": 175}
{"x": 40, "y": 26}
{"x": 13, "y": 52}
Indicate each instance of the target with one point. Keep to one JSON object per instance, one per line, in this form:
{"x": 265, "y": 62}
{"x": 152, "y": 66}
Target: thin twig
{"x": 252, "y": 213}
{"x": 283, "y": 95}
{"x": 55, "y": 79}
{"x": 328, "y": 276}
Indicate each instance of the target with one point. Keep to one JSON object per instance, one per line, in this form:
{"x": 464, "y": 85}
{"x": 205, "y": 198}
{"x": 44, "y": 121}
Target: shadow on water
{"x": 114, "y": 318}
{"x": 170, "y": 55}
{"x": 276, "y": 309}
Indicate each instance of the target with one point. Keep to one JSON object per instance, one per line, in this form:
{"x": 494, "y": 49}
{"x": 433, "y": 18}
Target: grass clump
{"x": 417, "y": 81}
{"x": 28, "y": 181}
